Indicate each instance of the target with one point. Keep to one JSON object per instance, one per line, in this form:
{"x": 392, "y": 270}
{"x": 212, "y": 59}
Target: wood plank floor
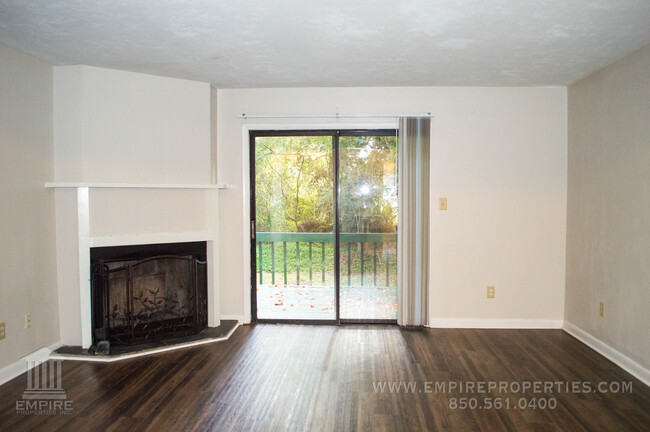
{"x": 320, "y": 378}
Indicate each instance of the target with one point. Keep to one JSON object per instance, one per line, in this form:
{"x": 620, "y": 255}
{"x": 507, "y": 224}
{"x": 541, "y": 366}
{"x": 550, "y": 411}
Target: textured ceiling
{"x": 298, "y": 43}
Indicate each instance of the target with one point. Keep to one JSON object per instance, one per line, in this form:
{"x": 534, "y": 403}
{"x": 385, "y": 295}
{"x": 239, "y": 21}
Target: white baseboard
{"x": 12, "y": 370}
{"x": 19, "y": 367}
{"x": 238, "y": 318}
{"x": 608, "y": 352}
{"x": 491, "y": 323}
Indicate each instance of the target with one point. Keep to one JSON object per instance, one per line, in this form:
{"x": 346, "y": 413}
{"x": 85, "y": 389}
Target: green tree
{"x": 294, "y": 183}
{"x": 367, "y": 179}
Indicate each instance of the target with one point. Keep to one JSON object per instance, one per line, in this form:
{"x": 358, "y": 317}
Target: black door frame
{"x": 335, "y": 134}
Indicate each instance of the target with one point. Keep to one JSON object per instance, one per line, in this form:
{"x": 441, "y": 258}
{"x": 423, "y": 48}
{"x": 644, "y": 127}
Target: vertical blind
{"x": 413, "y": 227}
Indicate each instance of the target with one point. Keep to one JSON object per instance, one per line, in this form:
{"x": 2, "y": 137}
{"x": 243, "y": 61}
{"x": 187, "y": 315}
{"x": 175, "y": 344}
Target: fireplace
{"x": 148, "y": 293}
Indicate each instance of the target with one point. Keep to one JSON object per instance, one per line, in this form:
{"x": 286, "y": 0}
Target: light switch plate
{"x": 2, "y": 330}
{"x": 443, "y": 203}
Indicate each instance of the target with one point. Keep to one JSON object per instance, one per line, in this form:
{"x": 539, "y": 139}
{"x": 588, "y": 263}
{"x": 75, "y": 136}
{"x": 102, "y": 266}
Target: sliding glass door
{"x": 368, "y": 226}
{"x": 294, "y": 227}
{"x": 323, "y": 236}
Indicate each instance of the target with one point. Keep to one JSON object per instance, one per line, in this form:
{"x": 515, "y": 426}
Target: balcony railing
{"x": 365, "y": 243}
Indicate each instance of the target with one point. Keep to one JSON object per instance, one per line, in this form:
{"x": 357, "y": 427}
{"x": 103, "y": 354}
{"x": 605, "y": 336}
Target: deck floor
{"x": 304, "y": 302}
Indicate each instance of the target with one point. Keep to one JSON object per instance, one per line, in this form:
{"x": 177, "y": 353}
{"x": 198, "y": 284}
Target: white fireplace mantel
{"x": 74, "y": 208}
{"x": 135, "y": 185}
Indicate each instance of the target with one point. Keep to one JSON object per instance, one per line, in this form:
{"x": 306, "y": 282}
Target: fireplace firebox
{"x": 148, "y": 293}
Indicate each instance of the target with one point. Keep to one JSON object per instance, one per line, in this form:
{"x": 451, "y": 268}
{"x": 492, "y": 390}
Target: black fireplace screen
{"x": 148, "y": 300}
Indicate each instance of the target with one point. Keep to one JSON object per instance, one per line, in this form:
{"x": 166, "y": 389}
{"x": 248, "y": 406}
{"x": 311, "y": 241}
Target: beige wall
{"x": 498, "y": 155}
{"x": 608, "y": 224}
{"x": 27, "y": 253}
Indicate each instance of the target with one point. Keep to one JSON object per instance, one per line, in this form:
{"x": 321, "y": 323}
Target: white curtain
{"x": 413, "y": 226}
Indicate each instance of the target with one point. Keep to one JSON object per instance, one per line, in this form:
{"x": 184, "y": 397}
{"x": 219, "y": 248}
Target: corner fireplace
{"x": 148, "y": 293}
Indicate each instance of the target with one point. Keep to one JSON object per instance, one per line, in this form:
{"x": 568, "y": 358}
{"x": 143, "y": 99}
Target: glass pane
{"x": 294, "y": 194}
{"x": 368, "y": 224}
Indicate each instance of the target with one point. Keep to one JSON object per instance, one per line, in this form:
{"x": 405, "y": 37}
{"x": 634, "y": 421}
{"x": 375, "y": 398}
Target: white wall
{"x": 608, "y": 231}
{"x": 27, "y": 252}
{"x": 116, "y": 126}
{"x": 498, "y": 155}
{"x": 121, "y": 127}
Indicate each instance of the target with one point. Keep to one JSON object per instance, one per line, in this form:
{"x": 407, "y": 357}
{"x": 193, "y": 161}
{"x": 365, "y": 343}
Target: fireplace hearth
{"x": 148, "y": 293}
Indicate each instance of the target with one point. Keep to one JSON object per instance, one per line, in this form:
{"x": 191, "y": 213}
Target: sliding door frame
{"x": 335, "y": 134}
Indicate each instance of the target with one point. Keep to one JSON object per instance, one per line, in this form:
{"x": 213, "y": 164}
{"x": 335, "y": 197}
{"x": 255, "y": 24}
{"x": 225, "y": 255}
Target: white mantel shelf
{"x": 136, "y": 185}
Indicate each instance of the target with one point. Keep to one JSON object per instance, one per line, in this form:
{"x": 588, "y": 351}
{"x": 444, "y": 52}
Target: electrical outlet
{"x": 602, "y": 309}
{"x": 442, "y": 203}
{"x": 2, "y": 330}
{"x": 28, "y": 320}
{"x": 490, "y": 292}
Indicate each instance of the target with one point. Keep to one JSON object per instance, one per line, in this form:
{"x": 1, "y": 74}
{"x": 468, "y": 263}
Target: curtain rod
{"x": 335, "y": 116}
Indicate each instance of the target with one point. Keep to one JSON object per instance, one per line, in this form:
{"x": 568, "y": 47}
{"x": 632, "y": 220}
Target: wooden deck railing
{"x": 364, "y": 240}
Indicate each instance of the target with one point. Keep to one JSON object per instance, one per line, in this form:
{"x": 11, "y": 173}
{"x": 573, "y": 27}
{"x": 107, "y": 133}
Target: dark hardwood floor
{"x": 293, "y": 378}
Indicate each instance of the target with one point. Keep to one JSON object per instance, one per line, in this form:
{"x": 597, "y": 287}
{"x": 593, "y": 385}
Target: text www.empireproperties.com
{"x": 499, "y": 394}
